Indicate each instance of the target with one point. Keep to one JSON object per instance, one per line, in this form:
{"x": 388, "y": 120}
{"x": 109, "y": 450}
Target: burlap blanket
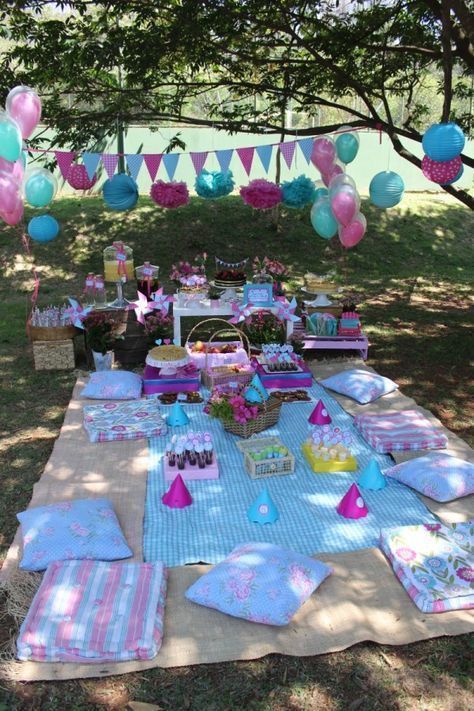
{"x": 362, "y": 600}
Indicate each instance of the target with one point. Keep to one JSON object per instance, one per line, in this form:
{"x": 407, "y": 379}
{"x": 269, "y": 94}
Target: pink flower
{"x": 466, "y": 574}
{"x": 405, "y": 554}
{"x": 432, "y": 526}
{"x": 242, "y": 593}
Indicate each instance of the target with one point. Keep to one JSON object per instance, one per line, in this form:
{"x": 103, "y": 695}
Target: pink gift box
{"x": 191, "y": 471}
{"x": 282, "y": 381}
{"x": 185, "y": 379}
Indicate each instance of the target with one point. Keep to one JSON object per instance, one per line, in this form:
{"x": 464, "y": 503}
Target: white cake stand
{"x": 321, "y": 297}
{"x": 229, "y": 293}
{"x": 167, "y": 367}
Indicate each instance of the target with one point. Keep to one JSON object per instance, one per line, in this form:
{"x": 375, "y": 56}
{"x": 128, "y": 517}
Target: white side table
{"x": 205, "y": 310}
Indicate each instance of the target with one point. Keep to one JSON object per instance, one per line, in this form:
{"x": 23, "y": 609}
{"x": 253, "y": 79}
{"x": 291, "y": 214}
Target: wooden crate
{"x": 54, "y": 355}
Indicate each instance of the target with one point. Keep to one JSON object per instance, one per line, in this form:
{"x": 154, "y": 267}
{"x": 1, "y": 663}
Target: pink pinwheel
{"x": 77, "y": 313}
{"x": 286, "y": 309}
{"x": 241, "y": 312}
{"x": 141, "y": 307}
{"x": 161, "y": 302}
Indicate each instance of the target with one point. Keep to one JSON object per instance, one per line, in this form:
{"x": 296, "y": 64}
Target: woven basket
{"x": 267, "y": 417}
{"x": 52, "y": 333}
{"x": 265, "y": 467}
{"x": 221, "y": 374}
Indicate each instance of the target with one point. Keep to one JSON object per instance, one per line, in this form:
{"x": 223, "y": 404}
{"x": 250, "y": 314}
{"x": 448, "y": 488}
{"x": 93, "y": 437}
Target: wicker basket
{"x": 267, "y": 417}
{"x": 222, "y": 374}
{"x": 265, "y": 467}
{"x": 52, "y": 333}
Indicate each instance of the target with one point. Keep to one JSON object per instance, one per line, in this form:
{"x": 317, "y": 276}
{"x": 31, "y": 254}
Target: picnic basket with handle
{"x": 222, "y": 374}
{"x": 268, "y": 415}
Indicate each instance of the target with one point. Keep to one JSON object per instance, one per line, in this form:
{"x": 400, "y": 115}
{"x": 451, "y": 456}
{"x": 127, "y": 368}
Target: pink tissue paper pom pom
{"x": 261, "y": 194}
{"x": 169, "y": 194}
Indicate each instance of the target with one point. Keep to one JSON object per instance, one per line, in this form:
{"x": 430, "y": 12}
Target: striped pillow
{"x": 91, "y": 611}
{"x": 407, "y": 430}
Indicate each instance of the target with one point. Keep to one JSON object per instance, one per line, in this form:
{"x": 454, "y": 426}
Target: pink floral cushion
{"x": 260, "y": 582}
{"x": 438, "y": 476}
{"x": 80, "y": 529}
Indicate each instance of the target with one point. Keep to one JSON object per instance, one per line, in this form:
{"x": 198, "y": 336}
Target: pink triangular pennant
{"x": 152, "y": 162}
{"x": 199, "y": 160}
{"x": 64, "y": 160}
{"x": 288, "y": 151}
{"x": 246, "y": 156}
{"x": 109, "y": 161}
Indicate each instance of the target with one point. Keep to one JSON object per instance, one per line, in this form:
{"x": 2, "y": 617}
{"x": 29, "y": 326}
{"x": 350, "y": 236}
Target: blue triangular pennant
{"x": 134, "y": 162}
{"x": 224, "y": 157}
{"x": 91, "y": 161}
{"x": 265, "y": 155}
{"x": 170, "y": 161}
{"x": 306, "y": 145}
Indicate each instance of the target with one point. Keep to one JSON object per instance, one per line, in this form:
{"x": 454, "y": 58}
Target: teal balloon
{"x": 320, "y": 192}
{"x": 347, "y": 147}
{"x": 43, "y": 228}
{"x": 40, "y": 189}
{"x": 322, "y": 219}
{"x": 10, "y": 138}
{"x": 24, "y": 159}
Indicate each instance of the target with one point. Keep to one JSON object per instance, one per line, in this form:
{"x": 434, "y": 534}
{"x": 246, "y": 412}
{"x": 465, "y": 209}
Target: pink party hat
{"x": 177, "y": 496}
{"x": 352, "y": 504}
{"x": 320, "y": 416}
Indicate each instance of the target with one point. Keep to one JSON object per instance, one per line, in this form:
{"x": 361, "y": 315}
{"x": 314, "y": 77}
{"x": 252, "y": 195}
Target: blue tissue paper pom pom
{"x": 298, "y": 192}
{"x": 214, "y": 184}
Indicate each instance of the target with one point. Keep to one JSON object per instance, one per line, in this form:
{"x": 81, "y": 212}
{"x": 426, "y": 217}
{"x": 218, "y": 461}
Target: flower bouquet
{"x": 158, "y": 325}
{"x": 270, "y": 268}
{"x": 190, "y": 277}
{"x": 239, "y": 416}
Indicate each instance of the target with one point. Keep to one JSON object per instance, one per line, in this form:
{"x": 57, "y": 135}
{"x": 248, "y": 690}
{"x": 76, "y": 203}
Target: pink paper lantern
{"x": 441, "y": 172}
{"x": 78, "y": 179}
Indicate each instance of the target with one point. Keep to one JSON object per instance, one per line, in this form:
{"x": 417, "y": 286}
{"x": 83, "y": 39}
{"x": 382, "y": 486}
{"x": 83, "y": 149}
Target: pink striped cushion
{"x": 92, "y": 611}
{"x": 400, "y": 431}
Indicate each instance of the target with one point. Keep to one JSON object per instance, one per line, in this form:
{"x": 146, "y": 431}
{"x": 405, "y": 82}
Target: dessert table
{"x": 203, "y": 308}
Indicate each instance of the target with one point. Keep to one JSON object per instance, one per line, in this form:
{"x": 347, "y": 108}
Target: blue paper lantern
{"x": 214, "y": 184}
{"x": 443, "y": 141}
{"x": 120, "y": 192}
{"x": 298, "y": 192}
{"x": 386, "y": 189}
{"x": 43, "y": 228}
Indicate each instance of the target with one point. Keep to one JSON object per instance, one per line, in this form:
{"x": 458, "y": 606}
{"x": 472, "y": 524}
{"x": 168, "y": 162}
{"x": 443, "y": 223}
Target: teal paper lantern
{"x": 120, "y": 192}
{"x": 43, "y": 228}
{"x": 443, "y": 141}
{"x": 386, "y": 189}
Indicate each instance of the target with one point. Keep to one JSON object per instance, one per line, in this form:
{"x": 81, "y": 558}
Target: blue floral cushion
{"x": 71, "y": 530}
{"x": 438, "y": 476}
{"x": 360, "y": 385}
{"x": 113, "y": 385}
{"x": 260, "y": 582}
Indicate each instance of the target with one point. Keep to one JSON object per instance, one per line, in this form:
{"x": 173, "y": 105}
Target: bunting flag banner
{"x": 170, "y": 161}
{"x": 91, "y": 161}
{"x": 246, "y": 156}
{"x": 64, "y": 160}
{"x": 152, "y": 162}
{"x": 288, "y": 151}
{"x": 265, "y": 155}
{"x": 224, "y": 157}
{"x": 306, "y": 145}
{"x": 134, "y": 163}
{"x": 109, "y": 161}
{"x": 199, "y": 160}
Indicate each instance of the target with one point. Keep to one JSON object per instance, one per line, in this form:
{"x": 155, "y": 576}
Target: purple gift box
{"x": 185, "y": 379}
{"x": 282, "y": 381}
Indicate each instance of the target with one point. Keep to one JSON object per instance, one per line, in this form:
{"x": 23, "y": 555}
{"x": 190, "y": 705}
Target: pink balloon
{"x": 14, "y": 217}
{"x": 9, "y": 192}
{"x": 351, "y": 234}
{"x": 323, "y": 155}
{"x": 345, "y": 204}
{"x": 24, "y": 106}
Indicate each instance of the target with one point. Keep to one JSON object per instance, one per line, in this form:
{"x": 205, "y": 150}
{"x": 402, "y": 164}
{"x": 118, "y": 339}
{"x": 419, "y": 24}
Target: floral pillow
{"x": 360, "y": 385}
{"x": 113, "y": 385}
{"x": 71, "y": 530}
{"x": 260, "y": 582}
{"x": 438, "y": 476}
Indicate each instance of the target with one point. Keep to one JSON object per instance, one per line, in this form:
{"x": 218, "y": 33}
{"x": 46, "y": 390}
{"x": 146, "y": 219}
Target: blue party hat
{"x": 177, "y": 416}
{"x": 263, "y": 510}
{"x": 257, "y": 393}
{"x": 372, "y": 477}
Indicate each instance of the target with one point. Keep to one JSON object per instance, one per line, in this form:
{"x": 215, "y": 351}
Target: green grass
{"x": 412, "y": 274}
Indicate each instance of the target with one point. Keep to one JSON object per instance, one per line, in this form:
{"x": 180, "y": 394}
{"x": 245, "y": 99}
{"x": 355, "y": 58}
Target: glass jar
{"x": 100, "y": 295}
{"x": 118, "y": 263}
{"x": 147, "y": 278}
{"x": 262, "y": 278}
